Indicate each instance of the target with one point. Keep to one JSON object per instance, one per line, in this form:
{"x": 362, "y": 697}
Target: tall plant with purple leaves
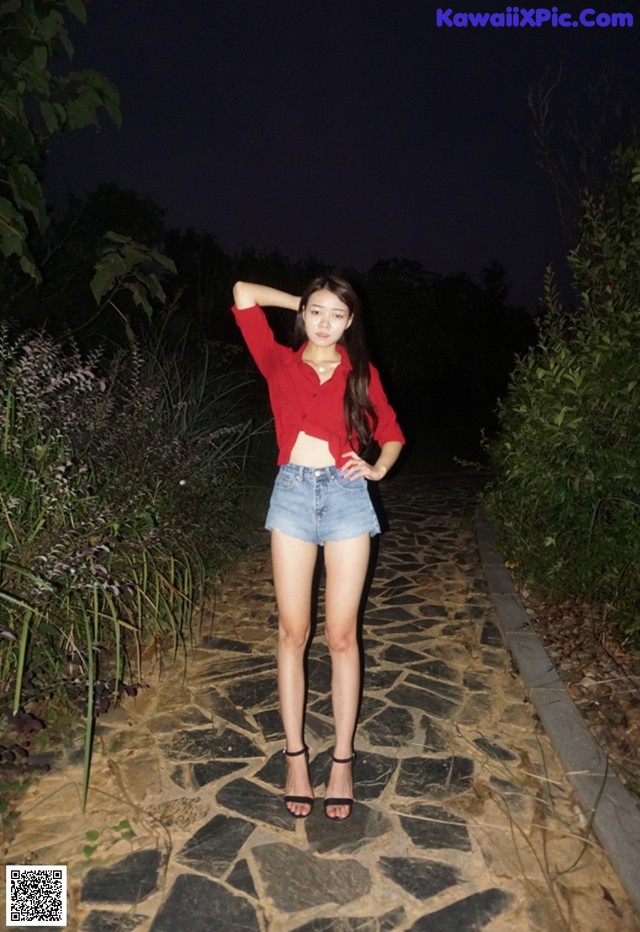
{"x": 121, "y": 487}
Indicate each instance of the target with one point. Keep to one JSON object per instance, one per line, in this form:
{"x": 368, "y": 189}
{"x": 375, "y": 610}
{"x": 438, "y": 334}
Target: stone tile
{"x": 206, "y": 743}
{"x": 438, "y": 669}
{"x": 217, "y": 643}
{"x": 102, "y": 920}
{"x": 400, "y": 582}
{"x": 476, "y": 709}
{"x": 473, "y": 912}
{"x": 319, "y": 728}
{"x": 323, "y": 705}
{"x": 446, "y": 690}
{"x": 434, "y": 827}
{"x": 214, "y": 847}
{"x": 389, "y": 922}
{"x": 200, "y": 905}
{"x": 182, "y": 776}
{"x": 226, "y": 668}
{"x": 368, "y": 707}
{"x": 436, "y": 777}
{"x": 474, "y": 682}
{"x": 491, "y": 635}
{"x": 520, "y": 714}
{"x": 422, "y": 879}
{"x": 270, "y": 724}
{"x": 257, "y": 692}
{"x": 166, "y": 722}
{"x": 435, "y": 737}
{"x": 255, "y": 803}
{"x": 141, "y": 776}
{"x": 406, "y": 598}
{"x": 510, "y": 792}
{"x": 225, "y": 710}
{"x": 379, "y": 679}
{"x": 420, "y": 699}
{"x": 200, "y": 774}
{"x": 296, "y": 880}
{"x": 431, "y": 610}
{"x": 319, "y": 676}
{"x": 400, "y": 656}
{"x": 496, "y": 660}
{"x": 372, "y": 772}
{"x": 273, "y": 770}
{"x": 360, "y": 829}
{"x": 180, "y": 814}
{"x": 240, "y": 878}
{"x": 392, "y": 727}
{"x": 389, "y": 614}
{"x": 128, "y": 881}
{"x": 493, "y": 750}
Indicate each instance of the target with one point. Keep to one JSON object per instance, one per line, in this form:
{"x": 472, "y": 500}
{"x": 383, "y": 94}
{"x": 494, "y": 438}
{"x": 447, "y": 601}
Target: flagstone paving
{"x": 463, "y": 820}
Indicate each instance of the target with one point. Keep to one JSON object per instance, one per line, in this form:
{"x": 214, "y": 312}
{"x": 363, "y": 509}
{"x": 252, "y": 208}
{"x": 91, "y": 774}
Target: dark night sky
{"x": 353, "y": 130}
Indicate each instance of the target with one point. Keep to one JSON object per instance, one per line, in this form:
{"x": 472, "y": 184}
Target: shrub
{"x": 122, "y": 490}
{"x": 566, "y": 494}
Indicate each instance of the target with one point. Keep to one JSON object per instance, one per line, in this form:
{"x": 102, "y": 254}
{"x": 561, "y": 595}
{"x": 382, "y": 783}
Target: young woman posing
{"x": 328, "y": 405}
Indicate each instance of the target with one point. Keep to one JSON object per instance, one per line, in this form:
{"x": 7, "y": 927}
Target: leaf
{"x": 28, "y": 193}
{"x": 102, "y": 282}
{"x": 78, "y": 9}
{"x": 165, "y": 261}
{"x": 117, "y": 237}
{"x": 13, "y": 230}
{"x": 51, "y": 26}
{"x": 134, "y": 254}
{"x": 40, "y": 57}
{"x": 50, "y": 117}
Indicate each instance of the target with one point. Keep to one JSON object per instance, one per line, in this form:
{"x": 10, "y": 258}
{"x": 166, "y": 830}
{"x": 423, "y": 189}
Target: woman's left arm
{"x": 355, "y": 466}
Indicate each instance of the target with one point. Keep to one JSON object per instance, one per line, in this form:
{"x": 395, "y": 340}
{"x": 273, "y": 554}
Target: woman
{"x": 328, "y": 406}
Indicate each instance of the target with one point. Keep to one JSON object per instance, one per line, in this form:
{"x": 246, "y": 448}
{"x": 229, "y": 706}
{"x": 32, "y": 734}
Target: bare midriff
{"x": 311, "y": 451}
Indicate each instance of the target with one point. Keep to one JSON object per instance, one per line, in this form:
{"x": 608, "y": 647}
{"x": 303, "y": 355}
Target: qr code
{"x": 36, "y": 895}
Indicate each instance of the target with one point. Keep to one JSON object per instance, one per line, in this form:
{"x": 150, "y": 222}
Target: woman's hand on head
{"x": 246, "y": 294}
{"x": 355, "y": 467}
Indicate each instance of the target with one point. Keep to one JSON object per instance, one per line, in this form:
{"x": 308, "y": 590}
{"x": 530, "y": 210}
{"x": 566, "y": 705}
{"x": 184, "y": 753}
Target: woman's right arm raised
{"x": 246, "y": 294}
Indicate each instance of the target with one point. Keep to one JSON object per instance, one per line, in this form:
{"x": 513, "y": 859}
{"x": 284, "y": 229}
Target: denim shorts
{"x": 318, "y": 505}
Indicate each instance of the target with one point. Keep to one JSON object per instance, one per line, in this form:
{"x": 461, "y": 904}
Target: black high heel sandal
{"x": 305, "y": 800}
{"x": 336, "y": 800}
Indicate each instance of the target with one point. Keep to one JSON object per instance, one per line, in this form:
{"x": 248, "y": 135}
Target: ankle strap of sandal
{"x": 294, "y": 753}
{"x": 343, "y": 760}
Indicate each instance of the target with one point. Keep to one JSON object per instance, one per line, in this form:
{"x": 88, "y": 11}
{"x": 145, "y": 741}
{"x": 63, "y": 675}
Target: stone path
{"x": 463, "y": 820}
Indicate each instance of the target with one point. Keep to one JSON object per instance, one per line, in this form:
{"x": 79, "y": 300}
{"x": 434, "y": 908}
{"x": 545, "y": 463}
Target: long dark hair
{"x": 359, "y": 414}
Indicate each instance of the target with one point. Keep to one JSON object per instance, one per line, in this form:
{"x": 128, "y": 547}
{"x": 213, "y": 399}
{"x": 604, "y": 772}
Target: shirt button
{"x": 317, "y": 472}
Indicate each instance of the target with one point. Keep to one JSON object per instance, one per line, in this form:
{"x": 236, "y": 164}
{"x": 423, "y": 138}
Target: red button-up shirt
{"x": 300, "y": 402}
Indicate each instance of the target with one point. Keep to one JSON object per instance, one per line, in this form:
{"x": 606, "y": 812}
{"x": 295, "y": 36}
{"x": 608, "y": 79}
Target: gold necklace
{"x": 330, "y": 362}
{"x": 322, "y": 367}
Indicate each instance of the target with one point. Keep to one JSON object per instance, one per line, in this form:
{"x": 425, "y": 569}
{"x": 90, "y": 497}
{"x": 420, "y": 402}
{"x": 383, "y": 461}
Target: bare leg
{"x": 293, "y": 565}
{"x": 346, "y": 564}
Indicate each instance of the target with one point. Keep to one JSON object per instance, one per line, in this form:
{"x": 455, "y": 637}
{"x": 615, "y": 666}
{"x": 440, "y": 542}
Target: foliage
{"x": 121, "y": 491}
{"x": 38, "y": 101}
{"x": 567, "y": 464}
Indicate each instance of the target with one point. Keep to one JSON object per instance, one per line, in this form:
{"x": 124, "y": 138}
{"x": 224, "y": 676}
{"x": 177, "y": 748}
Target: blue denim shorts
{"x": 318, "y": 505}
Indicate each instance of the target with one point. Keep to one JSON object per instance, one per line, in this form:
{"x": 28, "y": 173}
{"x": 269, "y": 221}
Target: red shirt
{"x": 300, "y": 401}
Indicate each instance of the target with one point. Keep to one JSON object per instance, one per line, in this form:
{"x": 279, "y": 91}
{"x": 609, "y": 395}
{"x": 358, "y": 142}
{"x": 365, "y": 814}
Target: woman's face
{"x": 325, "y": 318}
